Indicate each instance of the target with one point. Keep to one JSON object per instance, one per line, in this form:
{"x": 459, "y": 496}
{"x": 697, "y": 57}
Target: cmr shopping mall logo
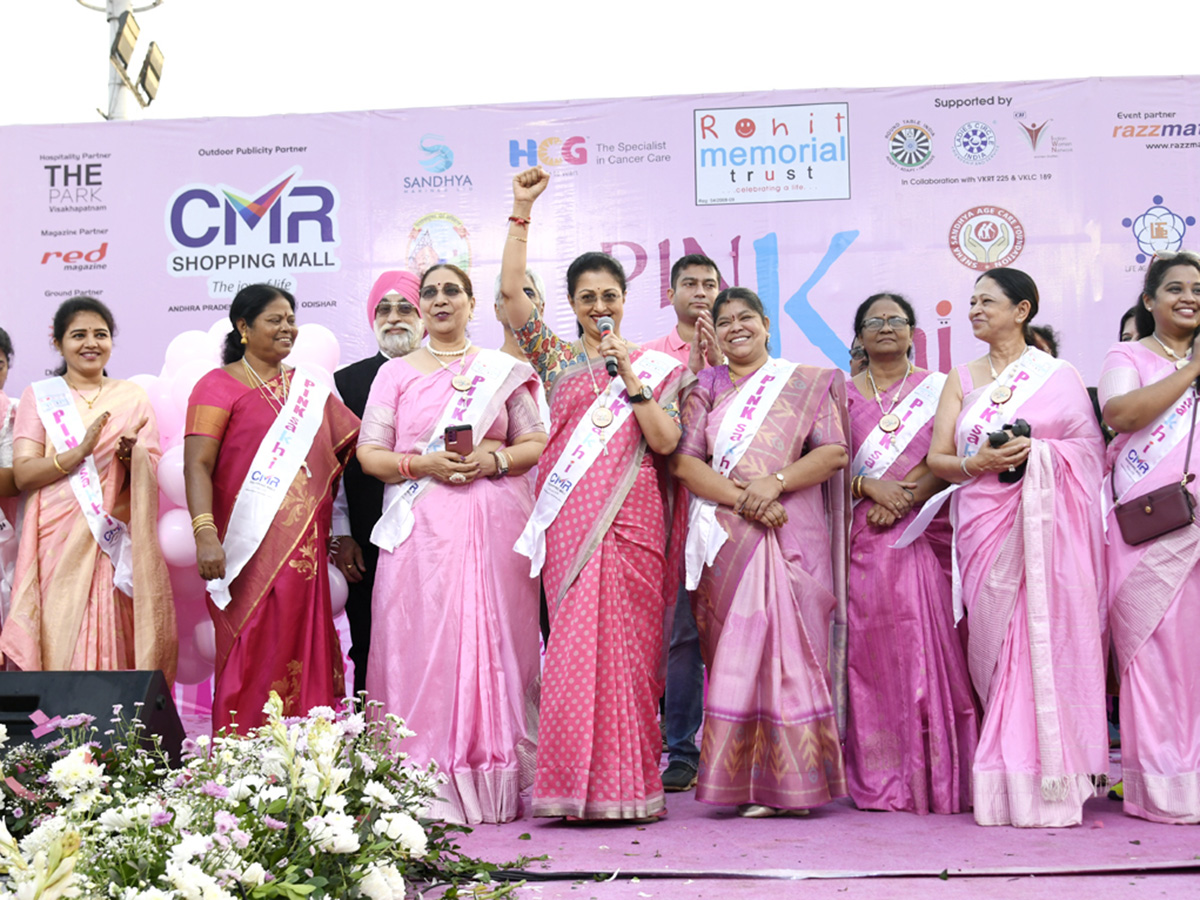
{"x": 231, "y": 235}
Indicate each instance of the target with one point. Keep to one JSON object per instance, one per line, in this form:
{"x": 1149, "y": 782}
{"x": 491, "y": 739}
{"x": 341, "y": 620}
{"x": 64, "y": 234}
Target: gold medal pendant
{"x": 602, "y": 417}
{"x": 1001, "y": 393}
{"x": 890, "y": 422}
{"x": 460, "y": 383}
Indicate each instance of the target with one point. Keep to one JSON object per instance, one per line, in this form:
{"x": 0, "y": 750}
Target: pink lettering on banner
{"x": 989, "y": 414}
{"x": 974, "y": 436}
{"x": 1021, "y": 376}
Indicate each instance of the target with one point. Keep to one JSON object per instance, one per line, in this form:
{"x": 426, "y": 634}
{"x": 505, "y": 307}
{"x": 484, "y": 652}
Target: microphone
{"x": 605, "y": 324}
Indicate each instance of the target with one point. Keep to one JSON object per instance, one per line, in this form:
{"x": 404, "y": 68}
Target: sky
{"x": 260, "y": 57}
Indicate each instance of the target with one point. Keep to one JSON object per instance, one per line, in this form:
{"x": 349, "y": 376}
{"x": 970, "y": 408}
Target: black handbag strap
{"x": 1187, "y": 462}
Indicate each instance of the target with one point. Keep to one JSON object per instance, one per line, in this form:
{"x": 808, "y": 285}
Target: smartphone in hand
{"x": 459, "y": 439}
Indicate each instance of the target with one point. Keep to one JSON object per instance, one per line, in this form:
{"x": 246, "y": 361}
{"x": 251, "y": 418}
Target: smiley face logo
{"x": 744, "y": 127}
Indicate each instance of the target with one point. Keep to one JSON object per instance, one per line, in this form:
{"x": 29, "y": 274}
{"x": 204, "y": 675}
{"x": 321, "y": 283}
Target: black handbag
{"x": 1160, "y": 511}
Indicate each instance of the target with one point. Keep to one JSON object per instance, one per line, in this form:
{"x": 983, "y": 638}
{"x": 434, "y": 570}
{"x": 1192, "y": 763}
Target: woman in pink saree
{"x": 276, "y": 633}
{"x": 69, "y": 608}
{"x": 912, "y": 724}
{"x": 454, "y": 587}
{"x": 1028, "y": 546}
{"x": 1147, "y": 389}
{"x": 610, "y": 552}
{"x": 768, "y": 528}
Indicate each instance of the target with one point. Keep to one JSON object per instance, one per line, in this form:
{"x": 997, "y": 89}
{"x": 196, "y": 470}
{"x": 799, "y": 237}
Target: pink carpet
{"x": 838, "y": 851}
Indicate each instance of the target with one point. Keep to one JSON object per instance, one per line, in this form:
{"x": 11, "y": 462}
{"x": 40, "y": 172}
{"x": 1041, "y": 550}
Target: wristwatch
{"x": 640, "y": 396}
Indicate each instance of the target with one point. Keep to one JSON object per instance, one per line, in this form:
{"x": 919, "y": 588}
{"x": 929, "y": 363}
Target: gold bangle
{"x": 201, "y": 518}
{"x": 514, "y": 237}
{"x": 54, "y": 459}
{"x": 196, "y": 529}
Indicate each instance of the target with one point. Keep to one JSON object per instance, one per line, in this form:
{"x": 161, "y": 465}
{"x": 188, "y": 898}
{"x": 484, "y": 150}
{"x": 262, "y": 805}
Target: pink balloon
{"x": 166, "y": 413}
{"x": 164, "y": 503}
{"x": 170, "y": 476}
{"x": 192, "y": 668}
{"x": 339, "y": 590}
{"x": 191, "y": 595}
{"x": 321, "y": 375}
{"x": 187, "y": 347}
{"x": 205, "y": 637}
{"x": 175, "y": 538}
{"x": 145, "y": 382}
{"x": 316, "y": 345}
{"x": 185, "y": 379}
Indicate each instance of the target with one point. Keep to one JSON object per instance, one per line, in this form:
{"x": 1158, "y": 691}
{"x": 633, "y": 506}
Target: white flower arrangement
{"x": 301, "y": 809}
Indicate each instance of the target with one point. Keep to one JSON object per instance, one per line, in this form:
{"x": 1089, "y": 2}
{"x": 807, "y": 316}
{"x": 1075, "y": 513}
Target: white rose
{"x": 378, "y": 886}
{"x": 404, "y": 829}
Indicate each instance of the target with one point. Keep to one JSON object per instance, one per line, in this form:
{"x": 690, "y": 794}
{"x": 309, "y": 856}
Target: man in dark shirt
{"x": 395, "y": 314}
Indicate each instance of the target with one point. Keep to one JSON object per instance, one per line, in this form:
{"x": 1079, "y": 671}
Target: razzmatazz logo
{"x": 289, "y": 226}
{"x": 1158, "y": 230}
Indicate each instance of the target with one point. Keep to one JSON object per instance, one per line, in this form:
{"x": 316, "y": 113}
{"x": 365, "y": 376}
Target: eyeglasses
{"x": 858, "y": 352}
{"x": 894, "y": 322}
{"x": 404, "y": 308}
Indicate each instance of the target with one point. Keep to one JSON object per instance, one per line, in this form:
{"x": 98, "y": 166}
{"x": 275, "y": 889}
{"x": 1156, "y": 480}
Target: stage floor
{"x": 706, "y": 851}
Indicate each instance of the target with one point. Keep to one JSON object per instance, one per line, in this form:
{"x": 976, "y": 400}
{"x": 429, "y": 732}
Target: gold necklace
{"x": 80, "y": 393}
{"x": 266, "y": 390}
{"x": 888, "y": 420}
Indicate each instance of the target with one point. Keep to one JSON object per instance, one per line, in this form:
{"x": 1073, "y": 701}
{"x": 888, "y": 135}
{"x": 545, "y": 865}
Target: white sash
{"x": 488, "y": 372}
{"x": 583, "y": 448}
{"x": 742, "y": 420}
{"x": 1150, "y": 446}
{"x": 881, "y": 449}
{"x": 1025, "y": 376}
{"x": 276, "y": 463}
{"x": 64, "y": 426}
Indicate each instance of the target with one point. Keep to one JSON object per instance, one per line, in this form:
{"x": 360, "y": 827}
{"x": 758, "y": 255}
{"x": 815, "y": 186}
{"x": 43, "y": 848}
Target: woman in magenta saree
{"x": 771, "y": 526}
{"x": 611, "y": 551}
{"x": 1148, "y": 395}
{"x": 1028, "y": 547}
{"x": 912, "y": 724}
{"x": 277, "y": 634}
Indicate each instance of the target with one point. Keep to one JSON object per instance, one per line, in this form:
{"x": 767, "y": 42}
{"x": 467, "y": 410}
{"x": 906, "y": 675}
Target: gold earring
{"x": 245, "y": 340}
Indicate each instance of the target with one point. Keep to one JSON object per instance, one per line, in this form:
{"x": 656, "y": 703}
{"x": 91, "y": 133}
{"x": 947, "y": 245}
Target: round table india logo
{"x": 910, "y": 145}
{"x": 438, "y": 238}
{"x": 975, "y": 143}
{"x": 986, "y": 237}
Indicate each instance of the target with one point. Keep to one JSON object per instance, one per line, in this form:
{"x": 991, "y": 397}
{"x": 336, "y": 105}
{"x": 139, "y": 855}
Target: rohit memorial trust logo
{"x": 769, "y": 154}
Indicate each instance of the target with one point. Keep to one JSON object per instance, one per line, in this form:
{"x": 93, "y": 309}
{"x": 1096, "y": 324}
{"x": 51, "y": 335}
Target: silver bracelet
{"x": 501, "y": 463}
{"x": 964, "y": 467}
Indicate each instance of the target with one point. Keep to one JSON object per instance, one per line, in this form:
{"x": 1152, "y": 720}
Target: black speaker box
{"x": 95, "y": 693}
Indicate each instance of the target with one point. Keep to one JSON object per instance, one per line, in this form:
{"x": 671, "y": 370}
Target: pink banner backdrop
{"x": 813, "y": 198}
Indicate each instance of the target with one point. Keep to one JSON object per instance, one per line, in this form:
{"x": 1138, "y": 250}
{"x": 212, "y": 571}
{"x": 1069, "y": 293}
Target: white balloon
{"x": 339, "y": 590}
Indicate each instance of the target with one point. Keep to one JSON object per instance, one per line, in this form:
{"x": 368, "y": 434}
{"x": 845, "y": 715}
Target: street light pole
{"x": 119, "y": 94}
{"x": 120, "y": 90}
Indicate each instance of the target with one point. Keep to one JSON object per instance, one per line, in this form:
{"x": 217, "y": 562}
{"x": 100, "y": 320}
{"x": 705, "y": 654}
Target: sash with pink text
{"x": 881, "y": 449}
{"x": 1150, "y": 446}
{"x": 584, "y": 447}
{"x": 739, "y": 426}
{"x": 65, "y": 428}
{"x": 488, "y": 373}
{"x": 277, "y": 462}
